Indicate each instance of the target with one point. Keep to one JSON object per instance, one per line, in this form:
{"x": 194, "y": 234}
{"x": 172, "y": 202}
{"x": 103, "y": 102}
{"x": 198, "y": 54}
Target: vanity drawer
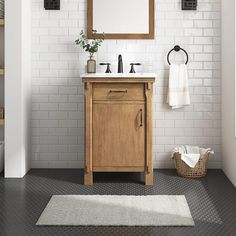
{"x": 123, "y": 92}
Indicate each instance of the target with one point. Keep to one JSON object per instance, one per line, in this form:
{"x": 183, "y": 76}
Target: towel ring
{"x": 177, "y": 48}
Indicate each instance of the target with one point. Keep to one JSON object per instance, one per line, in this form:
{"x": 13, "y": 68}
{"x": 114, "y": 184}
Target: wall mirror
{"x": 121, "y": 19}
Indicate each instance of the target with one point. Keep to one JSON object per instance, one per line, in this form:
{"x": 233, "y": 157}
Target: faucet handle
{"x": 132, "y": 67}
{"x": 108, "y": 70}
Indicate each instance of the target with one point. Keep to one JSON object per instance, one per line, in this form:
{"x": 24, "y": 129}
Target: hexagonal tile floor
{"x": 212, "y": 201}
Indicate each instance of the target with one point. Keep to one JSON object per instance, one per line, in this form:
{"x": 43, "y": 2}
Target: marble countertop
{"x": 118, "y": 75}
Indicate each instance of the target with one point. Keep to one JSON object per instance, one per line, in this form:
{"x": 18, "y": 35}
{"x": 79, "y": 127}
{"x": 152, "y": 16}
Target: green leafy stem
{"x": 90, "y": 46}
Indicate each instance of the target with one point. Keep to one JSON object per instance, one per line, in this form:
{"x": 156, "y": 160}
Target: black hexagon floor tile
{"x": 212, "y": 201}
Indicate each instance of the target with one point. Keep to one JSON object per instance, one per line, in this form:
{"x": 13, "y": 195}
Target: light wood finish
{"x": 88, "y": 176}
{"x": 90, "y": 19}
{"x": 151, "y": 19}
{"x": 2, "y": 121}
{"x": 116, "y": 91}
{"x": 118, "y": 169}
{"x": 149, "y": 165}
{"x": 2, "y": 22}
{"x": 118, "y": 132}
{"x": 118, "y": 102}
{"x": 150, "y": 35}
{"x": 117, "y": 128}
{"x": 2, "y": 71}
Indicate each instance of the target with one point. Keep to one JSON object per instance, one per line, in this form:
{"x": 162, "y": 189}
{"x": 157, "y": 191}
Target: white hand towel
{"x": 190, "y": 159}
{"x": 189, "y": 154}
{"x": 192, "y": 149}
{"x": 178, "y": 92}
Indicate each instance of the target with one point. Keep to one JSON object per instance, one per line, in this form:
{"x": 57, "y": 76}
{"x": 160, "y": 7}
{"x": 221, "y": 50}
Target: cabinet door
{"x": 118, "y": 135}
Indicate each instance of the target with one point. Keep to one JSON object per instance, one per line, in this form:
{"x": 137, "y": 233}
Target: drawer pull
{"x": 118, "y": 91}
{"x": 141, "y": 117}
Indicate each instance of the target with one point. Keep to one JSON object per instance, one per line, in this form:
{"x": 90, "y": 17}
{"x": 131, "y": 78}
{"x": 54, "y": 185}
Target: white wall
{"x": 17, "y": 86}
{"x": 1, "y": 77}
{"x": 228, "y": 89}
{"x": 57, "y": 100}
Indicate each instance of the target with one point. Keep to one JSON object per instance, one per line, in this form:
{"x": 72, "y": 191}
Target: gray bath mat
{"x": 80, "y": 210}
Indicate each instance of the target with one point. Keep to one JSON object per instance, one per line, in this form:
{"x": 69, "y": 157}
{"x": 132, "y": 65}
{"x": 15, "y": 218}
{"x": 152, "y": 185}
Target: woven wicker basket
{"x": 200, "y": 170}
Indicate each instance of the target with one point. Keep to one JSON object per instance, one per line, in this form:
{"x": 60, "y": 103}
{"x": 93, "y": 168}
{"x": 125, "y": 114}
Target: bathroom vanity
{"x": 118, "y": 124}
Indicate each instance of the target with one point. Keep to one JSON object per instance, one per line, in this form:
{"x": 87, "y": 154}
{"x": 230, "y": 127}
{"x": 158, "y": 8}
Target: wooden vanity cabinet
{"x": 118, "y": 126}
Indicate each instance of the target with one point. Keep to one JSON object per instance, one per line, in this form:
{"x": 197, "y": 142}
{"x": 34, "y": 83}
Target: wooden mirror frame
{"x": 150, "y": 35}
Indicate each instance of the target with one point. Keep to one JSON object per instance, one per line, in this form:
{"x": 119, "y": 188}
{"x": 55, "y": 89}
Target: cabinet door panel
{"x": 118, "y": 134}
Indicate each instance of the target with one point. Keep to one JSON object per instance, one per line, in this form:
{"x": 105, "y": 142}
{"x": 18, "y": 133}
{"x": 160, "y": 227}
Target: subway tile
{"x": 57, "y": 111}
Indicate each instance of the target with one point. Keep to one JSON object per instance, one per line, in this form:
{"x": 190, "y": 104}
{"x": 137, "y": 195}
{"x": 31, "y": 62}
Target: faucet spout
{"x": 120, "y": 64}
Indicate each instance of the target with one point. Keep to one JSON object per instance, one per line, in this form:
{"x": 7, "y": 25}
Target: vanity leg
{"x": 88, "y": 178}
{"x": 88, "y": 168}
{"x": 149, "y": 164}
{"x": 149, "y": 178}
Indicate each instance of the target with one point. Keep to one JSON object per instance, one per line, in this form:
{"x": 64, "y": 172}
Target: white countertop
{"x": 118, "y": 75}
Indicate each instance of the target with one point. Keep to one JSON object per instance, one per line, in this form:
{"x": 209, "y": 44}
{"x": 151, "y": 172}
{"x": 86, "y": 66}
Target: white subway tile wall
{"x": 57, "y": 90}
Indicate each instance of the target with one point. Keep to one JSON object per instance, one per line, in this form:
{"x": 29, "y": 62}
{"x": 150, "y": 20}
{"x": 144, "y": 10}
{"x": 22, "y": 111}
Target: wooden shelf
{"x": 2, "y": 22}
{"x": 2, "y": 71}
{"x": 2, "y": 121}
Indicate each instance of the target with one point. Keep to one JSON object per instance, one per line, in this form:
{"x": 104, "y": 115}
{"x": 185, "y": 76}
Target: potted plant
{"x": 90, "y": 46}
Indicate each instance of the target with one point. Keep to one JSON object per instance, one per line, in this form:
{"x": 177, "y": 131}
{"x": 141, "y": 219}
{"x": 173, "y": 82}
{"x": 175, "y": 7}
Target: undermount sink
{"x": 118, "y": 75}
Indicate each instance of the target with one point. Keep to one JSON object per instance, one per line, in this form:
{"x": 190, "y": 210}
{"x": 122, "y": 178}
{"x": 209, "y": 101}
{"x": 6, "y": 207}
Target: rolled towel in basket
{"x": 191, "y": 154}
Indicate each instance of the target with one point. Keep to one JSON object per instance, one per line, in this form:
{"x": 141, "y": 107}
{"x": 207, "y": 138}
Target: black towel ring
{"x": 176, "y": 48}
